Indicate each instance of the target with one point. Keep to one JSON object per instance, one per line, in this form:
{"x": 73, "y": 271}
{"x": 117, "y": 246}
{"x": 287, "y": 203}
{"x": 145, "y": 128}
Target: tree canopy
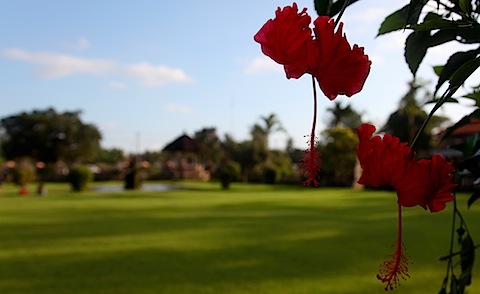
{"x": 49, "y": 136}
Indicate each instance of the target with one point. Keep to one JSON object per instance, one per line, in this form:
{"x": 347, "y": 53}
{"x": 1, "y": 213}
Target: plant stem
{"x": 340, "y": 14}
{"x": 312, "y": 135}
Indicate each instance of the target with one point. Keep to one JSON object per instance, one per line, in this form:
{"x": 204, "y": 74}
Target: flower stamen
{"x": 391, "y": 271}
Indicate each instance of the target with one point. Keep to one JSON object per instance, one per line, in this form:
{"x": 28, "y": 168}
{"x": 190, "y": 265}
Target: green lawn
{"x": 251, "y": 239}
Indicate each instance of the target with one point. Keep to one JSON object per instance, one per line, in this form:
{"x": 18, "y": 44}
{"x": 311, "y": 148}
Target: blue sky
{"x": 156, "y": 69}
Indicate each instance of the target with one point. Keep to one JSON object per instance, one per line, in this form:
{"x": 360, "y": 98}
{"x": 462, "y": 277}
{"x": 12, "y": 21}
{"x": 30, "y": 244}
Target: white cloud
{"x": 262, "y": 65}
{"x": 117, "y": 85}
{"x": 109, "y": 126}
{"x": 392, "y": 41}
{"x": 54, "y": 65}
{"x": 369, "y": 15}
{"x": 177, "y": 108}
{"x": 376, "y": 58}
{"x": 81, "y": 43}
{"x": 441, "y": 53}
{"x": 156, "y": 75}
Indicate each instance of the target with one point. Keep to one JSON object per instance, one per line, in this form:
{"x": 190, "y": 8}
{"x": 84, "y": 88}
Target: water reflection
{"x": 120, "y": 188}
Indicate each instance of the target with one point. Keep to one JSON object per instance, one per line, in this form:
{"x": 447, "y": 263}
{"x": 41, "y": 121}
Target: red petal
{"x": 286, "y": 39}
{"x": 339, "y": 69}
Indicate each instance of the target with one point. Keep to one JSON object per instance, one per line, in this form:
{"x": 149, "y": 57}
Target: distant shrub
{"x": 228, "y": 172}
{"x": 271, "y": 175}
{"x": 23, "y": 173}
{"x": 133, "y": 177}
{"x": 79, "y": 178}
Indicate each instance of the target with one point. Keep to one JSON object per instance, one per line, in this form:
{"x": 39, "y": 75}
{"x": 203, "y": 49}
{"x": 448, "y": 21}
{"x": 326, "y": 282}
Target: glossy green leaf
{"x": 466, "y": 6}
{"x": 469, "y": 35}
{"x": 323, "y": 6}
{"x": 399, "y": 19}
{"x": 329, "y": 7}
{"x": 438, "y": 69}
{"x": 442, "y": 36}
{"x": 473, "y": 198}
{"x": 438, "y": 24}
{"x": 475, "y": 96}
{"x": 454, "y": 285}
{"x": 465, "y": 120}
{"x": 463, "y": 73}
{"x": 415, "y": 7}
{"x": 470, "y": 145}
{"x": 416, "y": 47}
{"x": 454, "y": 63}
{"x": 447, "y": 100}
{"x": 467, "y": 259}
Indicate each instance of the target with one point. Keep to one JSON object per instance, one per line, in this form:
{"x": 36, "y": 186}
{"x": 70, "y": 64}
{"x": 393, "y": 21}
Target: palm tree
{"x": 407, "y": 119}
{"x": 345, "y": 117}
{"x": 271, "y": 124}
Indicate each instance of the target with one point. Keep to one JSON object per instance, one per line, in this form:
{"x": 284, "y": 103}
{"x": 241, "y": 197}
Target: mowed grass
{"x": 251, "y": 239}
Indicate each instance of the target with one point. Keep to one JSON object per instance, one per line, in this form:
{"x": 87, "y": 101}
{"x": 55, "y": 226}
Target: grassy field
{"x": 251, "y": 239}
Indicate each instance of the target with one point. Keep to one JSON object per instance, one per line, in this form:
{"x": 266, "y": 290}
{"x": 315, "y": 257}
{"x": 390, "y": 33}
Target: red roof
{"x": 469, "y": 129}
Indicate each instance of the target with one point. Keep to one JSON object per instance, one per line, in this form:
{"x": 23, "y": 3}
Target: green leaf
{"x": 466, "y": 6}
{"x": 323, "y": 6}
{"x": 474, "y": 96}
{"x": 470, "y": 35}
{"x": 454, "y": 62}
{"x": 329, "y": 7}
{"x": 465, "y": 120}
{"x": 454, "y": 285}
{"x": 415, "y": 7}
{"x": 416, "y": 47}
{"x": 394, "y": 22}
{"x": 400, "y": 19}
{"x": 463, "y": 73}
{"x": 467, "y": 259}
{"x": 473, "y": 198}
{"x": 438, "y": 69}
{"x": 436, "y": 100}
{"x": 434, "y": 21}
{"x": 437, "y": 24}
{"x": 443, "y": 36}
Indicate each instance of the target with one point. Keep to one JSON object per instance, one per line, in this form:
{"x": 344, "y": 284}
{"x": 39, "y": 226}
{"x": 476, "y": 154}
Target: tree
{"x": 405, "y": 122}
{"x": 344, "y": 116}
{"x": 48, "y": 136}
{"x": 210, "y": 147}
{"x": 110, "y": 156}
{"x": 271, "y": 124}
{"x": 339, "y": 157}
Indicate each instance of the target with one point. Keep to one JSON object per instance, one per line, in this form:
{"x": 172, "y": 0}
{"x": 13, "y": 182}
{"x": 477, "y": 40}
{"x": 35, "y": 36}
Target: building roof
{"x": 470, "y": 128}
{"x": 183, "y": 144}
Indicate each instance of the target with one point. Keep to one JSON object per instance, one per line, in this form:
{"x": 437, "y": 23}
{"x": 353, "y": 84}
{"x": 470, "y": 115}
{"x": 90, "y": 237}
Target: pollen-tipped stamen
{"x": 391, "y": 271}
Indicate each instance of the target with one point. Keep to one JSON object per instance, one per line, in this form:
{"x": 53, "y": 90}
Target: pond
{"x": 144, "y": 187}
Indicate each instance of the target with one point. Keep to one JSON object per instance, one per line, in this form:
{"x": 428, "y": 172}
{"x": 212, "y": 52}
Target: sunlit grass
{"x": 250, "y": 239}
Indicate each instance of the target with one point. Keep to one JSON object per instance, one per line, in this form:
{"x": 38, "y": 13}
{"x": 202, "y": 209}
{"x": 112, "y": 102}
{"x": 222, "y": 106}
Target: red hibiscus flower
{"x": 387, "y": 161}
{"x": 426, "y": 182}
{"x": 287, "y": 38}
{"x": 435, "y": 184}
{"x": 339, "y": 69}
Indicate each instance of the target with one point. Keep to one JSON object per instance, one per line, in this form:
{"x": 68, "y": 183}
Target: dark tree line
{"x": 49, "y": 136}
